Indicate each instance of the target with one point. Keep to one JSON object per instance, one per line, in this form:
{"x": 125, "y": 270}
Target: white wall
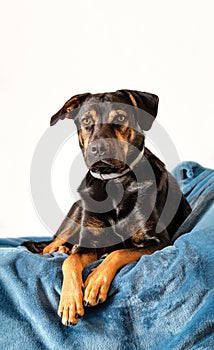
{"x": 51, "y": 50}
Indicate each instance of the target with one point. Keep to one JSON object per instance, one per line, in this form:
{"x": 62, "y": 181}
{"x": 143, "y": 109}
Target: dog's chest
{"x": 113, "y": 197}
{"x": 123, "y": 205}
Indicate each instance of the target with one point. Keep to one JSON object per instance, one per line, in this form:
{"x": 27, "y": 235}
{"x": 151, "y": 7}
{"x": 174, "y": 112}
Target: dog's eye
{"x": 120, "y": 118}
{"x": 86, "y": 121}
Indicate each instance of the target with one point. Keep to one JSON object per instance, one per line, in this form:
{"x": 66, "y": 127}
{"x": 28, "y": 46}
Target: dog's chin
{"x": 108, "y": 166}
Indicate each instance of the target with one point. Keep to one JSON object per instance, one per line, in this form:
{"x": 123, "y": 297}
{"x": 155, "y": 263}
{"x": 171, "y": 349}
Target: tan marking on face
{"x": 113, "y": 114}
{"x": 131, "y": 135}
{"x": 81, "y": 141}
{"x": 84, "y": 139}
{"x": 119, "y": 136}
{"x": 132, "y": 99}
{"x": 91, "y": 114}
{"x": 83, "y": 132}
{"x": 122, "y": 139}
{"x": 125, "y": 133}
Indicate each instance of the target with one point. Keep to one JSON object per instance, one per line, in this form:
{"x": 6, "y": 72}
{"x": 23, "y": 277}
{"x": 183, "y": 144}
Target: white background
{"x": 51, "y": 50}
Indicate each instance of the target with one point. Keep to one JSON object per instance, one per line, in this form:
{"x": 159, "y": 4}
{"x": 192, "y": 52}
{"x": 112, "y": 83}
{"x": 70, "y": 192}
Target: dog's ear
{"x": 144, "y": 101}
{"x": 70, "y": 106}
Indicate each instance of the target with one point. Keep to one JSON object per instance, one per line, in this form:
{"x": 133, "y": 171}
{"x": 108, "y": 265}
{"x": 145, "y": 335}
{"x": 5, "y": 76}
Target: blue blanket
{"x": 163, "y": 302}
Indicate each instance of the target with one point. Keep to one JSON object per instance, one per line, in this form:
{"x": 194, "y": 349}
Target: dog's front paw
{"x": 96, "y": 286}
{"x": 71, "y": 305}
{"x": 53, "y": 246}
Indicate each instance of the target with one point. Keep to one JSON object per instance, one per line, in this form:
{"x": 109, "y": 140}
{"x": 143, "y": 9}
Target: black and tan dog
{"x": 130, "y": 205}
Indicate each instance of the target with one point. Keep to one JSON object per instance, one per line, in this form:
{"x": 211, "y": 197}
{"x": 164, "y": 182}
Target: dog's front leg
{"x": 71, "y": 299}
{"x": 67, "y": 232}
{"x": 98, "y": 282}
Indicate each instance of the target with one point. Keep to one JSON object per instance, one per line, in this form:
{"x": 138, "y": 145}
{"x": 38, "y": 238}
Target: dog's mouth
{"x": 107, "y": 166}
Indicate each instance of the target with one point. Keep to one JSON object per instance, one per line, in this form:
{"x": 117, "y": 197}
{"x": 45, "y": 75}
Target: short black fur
{"x": 138, "y": 220}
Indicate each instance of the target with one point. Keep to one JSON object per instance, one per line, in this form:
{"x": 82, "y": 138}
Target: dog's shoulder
{"x": 156, "y": 169}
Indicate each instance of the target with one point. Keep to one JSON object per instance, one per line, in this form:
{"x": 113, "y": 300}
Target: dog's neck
{"x": 115, "y": 175}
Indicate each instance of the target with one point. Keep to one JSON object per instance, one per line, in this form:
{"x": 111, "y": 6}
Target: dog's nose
{"x": 99, "y": 147}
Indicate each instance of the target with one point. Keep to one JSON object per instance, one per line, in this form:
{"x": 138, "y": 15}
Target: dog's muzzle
{"x": 105, "y": 155}
{"x": 109, "y": 176}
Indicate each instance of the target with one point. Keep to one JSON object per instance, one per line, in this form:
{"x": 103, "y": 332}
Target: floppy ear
{"x": 69, "y": 106}
{"x": 146, "y": 102}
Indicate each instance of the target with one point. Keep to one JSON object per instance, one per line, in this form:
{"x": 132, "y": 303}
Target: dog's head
{"x": 110, "y": 126}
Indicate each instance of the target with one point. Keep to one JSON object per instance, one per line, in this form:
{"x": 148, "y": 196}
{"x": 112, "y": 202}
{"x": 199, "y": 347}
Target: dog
{"x": 130, "y": 204}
